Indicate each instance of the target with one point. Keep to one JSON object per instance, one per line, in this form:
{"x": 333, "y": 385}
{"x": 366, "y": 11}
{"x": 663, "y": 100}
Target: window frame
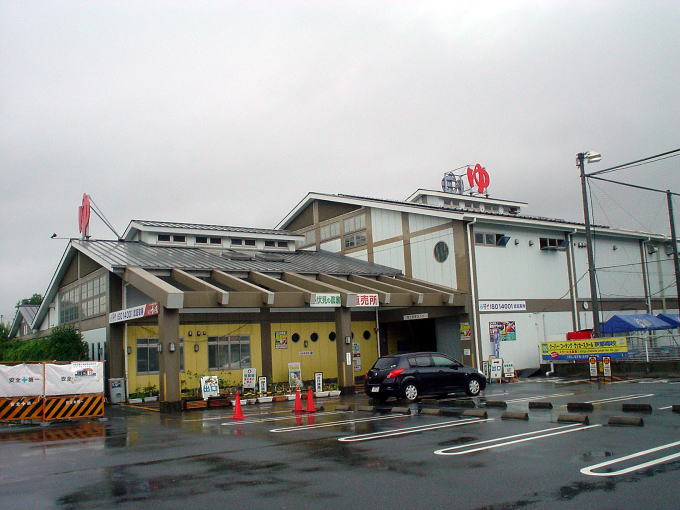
{"x": 226, "y": 342}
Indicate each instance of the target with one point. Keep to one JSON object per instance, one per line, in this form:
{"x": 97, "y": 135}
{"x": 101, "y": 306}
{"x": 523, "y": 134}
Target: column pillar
{"x": 168, "y": 362}
{"x": 266, "y": 345}
{"x": 343, "y": 332}
{"x": 115, "y": 334}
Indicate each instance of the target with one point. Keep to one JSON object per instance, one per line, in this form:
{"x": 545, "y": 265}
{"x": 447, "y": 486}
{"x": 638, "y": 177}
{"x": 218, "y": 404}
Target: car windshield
{"x": 385, "y": 363}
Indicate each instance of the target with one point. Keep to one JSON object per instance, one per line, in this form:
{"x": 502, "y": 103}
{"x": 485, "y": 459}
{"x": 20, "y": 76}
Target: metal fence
{"x": 656, "y": 346}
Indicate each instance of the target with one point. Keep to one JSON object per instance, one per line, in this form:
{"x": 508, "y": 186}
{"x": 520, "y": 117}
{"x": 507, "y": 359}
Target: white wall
{"x": 619, "y": 273}
{"x": 661, "y": 274}
{"x": 391, "y": 255}
{"x": 333, "y": 245}
{"x": 425, "y": 266}
{"x": 418, "y": 222}
{"x": 361, "y": 254}
{"x": 520, "y": 271}
{"x": 95, "y": 338}
{"x": 385, "y": 224}
{"x": 134, "y": 297}
{"x": 531, "y": 328}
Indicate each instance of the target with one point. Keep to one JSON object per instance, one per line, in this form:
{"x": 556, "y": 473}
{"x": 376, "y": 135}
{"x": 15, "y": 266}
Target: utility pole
{"x": 595, "y": 304}
{"x": 674, "y": 241}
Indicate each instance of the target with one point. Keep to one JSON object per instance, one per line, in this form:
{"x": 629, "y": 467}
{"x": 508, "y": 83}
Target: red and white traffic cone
{"x": 298, "y": 402}
{"x": 310, "y": 400}
{"x": 238, "y": 412}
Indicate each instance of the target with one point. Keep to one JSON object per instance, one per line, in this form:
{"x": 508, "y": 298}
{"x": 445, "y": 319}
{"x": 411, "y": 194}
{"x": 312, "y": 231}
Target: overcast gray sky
{"x": 229, "y": 112}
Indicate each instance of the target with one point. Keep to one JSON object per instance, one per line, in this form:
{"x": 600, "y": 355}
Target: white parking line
{"x": 410, "y": 430}
{"x": 338, "y": 423}
{"x": 277, "y": 418}
{"x": 573, "y": 381}
{"x": 619, "y": 399}
{"x": 667, "y": 407}
{"x": 589, "y": 470}
{"x": 570, "y": 428}
{"x": 538, "y": 397}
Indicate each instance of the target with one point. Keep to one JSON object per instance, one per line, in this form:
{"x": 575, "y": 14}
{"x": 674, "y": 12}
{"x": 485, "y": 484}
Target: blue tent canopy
{"x": 639, "y": 322}
{"x": 671, "y": 318}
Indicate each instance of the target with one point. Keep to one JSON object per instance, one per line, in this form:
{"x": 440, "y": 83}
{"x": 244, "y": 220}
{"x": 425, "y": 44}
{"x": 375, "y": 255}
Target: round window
{"x": 295, "y": 337}
{"x": 367, "y": 335}
{"x": 441, "y": 251}
{"x": 314, "y": 337}
{"x": 331, "y": 336}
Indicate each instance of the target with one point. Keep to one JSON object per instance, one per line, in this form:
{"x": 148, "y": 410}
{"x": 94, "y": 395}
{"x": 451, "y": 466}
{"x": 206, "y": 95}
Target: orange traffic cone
{"x": 298, "y": 402}
{"x": 310, "y": 400}
{"x": 238, "y": 412}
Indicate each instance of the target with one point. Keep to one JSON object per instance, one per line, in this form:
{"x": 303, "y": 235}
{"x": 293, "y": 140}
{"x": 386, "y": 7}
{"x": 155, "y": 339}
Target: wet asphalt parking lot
{"x": 334, "y": 459}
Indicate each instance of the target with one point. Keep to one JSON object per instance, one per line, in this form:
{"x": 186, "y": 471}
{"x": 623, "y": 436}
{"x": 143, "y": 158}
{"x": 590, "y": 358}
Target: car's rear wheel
{"x": 473, "y": 386}
{"x": 410, "y": 392}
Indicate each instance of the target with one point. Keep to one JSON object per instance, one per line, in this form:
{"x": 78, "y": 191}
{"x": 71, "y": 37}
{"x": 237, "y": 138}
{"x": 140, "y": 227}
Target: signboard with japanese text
{"x": 581, "y": 350}
{"x": 415, "y": 316}
{"x": 23, "y": 380}
{"x": 249, "y": 378}
{"x": 262, "y": 384}
{"x": 502, "y": 306}
{"x": 210, "y": 386}
{"x": 592, "y": 365}
{"x": 356, "y": 356}
{"x": 366, "y": 300}
{"x": 606, "y": 366}
{"x": 325, "y": 299}
{"x": 281, "y": 339}
{"x": 135, "y": 312}
{"x": 502, "y": 331}
{"x": 496, "y": 368}
{"x": 318, "y": 381}
{"x": 508, "y": 369}
{"x": 465, "y": 331}
{"x": 74, "y": 378}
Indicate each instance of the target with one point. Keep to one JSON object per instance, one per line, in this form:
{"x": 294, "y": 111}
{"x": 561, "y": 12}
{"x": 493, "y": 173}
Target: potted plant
{"x": 279, "y": 393}
{"x": 150, "y": 393}
{"x": 136, "y": 397}
{"x": 250, "y": 397}
{"x": 333, "y": 390}
{"x": 263, "y": 399}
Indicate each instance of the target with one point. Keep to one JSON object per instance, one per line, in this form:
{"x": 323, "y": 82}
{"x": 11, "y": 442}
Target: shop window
{"x": 147, "y": 355}
{"x": 354, "y": 240}
{"x": 554, "y": 244}
{"x": 228, "y": 352}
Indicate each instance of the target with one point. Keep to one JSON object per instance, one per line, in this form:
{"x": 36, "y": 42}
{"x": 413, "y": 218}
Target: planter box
{"x": 321, "y": 394}
{"x": 280, "y": 398}
{"x": 334, "y": 393}
{"x": 195, "y": 404}
{"x": 218, "y": 402}
{"x": 135, "y": 400}
{"x": 264, "y": 400}
{"x": 151, "y": 399}
{"x": 290, "y": 397}
{"x": 251, "y": 400}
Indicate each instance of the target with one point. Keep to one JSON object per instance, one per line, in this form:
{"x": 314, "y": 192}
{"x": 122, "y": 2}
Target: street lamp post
{"x": 581, "y": 159}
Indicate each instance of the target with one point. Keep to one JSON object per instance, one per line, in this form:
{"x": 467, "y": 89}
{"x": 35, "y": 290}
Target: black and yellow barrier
{"x": 21, "y": 408}
{"x": 73, "y": 406}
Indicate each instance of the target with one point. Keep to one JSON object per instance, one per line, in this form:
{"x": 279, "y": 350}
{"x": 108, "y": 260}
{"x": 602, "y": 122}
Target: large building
{"x": 526, "y": 277}
{"x": 171, "y": 302}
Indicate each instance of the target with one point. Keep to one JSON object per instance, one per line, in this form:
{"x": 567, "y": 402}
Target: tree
{"x": 35, "y": 299}
{"x": 63, "y": 344}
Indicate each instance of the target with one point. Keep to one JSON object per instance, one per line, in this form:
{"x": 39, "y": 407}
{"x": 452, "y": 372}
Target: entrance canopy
{"x": 639, "y": 322}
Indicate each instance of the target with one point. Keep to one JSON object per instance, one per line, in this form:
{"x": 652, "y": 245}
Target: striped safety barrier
{"x": 21, "y": 408}
{"x": 73, "y": 406}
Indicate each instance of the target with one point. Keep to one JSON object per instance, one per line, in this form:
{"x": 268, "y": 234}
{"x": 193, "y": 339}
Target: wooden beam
{"x": 242, "y": 286}
{"x": 196, "y": 284}
{"x": 444, "y": 297}
{"x": 286, "y": 294}
{"x": 167, "y": 295}
{"x": 384, "y": 297}
{"x": 318, "y": 286}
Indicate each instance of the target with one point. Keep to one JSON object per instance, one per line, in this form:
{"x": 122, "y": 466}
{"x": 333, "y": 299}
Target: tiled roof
{"x": 119, "y": 254}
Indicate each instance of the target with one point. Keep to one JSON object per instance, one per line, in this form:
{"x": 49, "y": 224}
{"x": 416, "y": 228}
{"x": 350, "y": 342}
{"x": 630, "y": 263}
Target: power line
{"x": 639, "y": 162}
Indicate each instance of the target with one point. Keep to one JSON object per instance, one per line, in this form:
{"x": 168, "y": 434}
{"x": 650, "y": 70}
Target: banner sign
{"x": 24, "y": 380}
{"x": 281, "y": 339}
{"x": 575, "y": 350}
{"x": 325, "y": 299}
{"x": 502, "y": 306}
{"x": 366, "y": 300}
{"x": 318, "y": 381}
{"x": 249, "y": 378}
{"x": 508, "y": 369}
{"x": 465, "y": 331}
{"x": 75, "y": 378}
{"x": 135, "y": 312}
{"x": 294, "y": 375}
{"x": 210, "y": 386}
{"x": 356, "y": 356}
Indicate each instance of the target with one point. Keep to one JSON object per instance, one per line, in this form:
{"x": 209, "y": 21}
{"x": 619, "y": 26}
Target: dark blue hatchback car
{"x": 421, "y": 373}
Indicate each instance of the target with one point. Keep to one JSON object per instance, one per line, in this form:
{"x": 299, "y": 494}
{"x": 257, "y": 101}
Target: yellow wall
{"x": 323, "y": 357}
{"x": 324, "y": 354}
{"x": 195, "y": 363}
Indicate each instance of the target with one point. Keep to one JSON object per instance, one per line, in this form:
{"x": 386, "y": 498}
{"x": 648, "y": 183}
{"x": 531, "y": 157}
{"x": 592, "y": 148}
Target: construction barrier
{"x": 51, "y": 391}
